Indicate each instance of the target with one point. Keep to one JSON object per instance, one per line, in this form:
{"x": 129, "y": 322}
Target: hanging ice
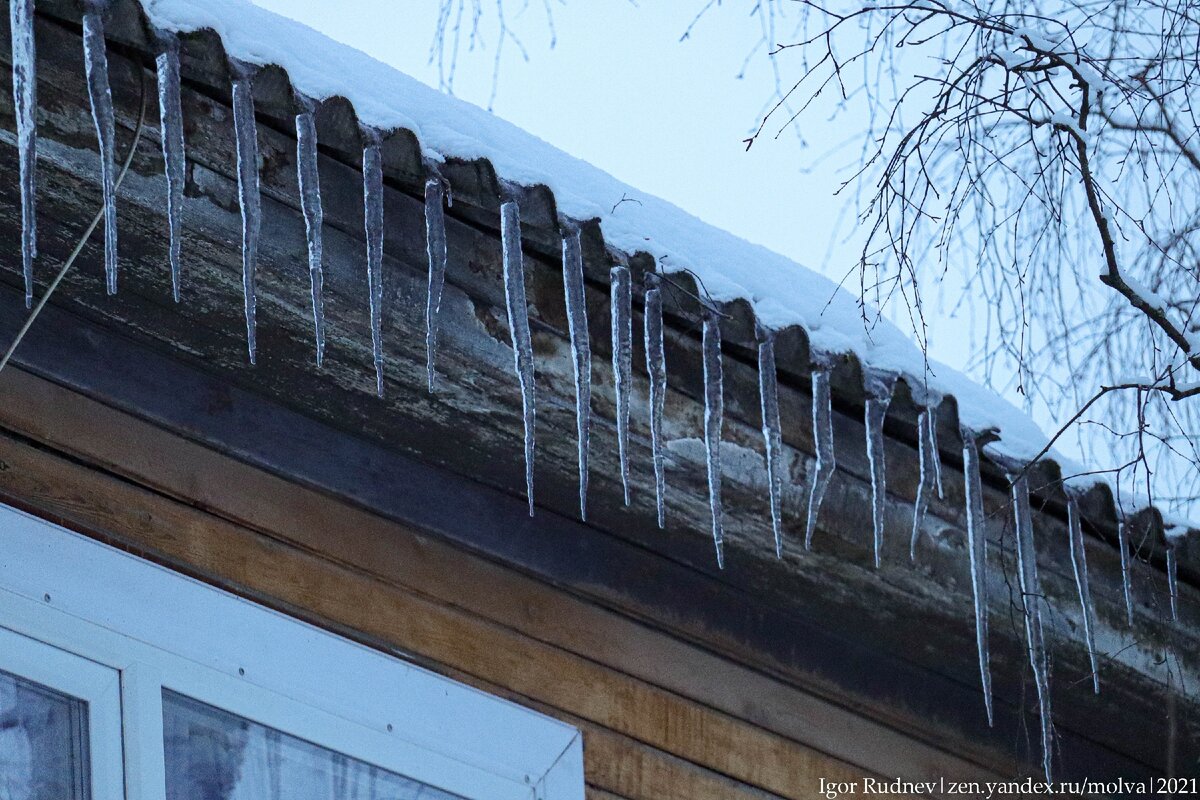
{"x": 518, "y": 324}
{"x": 246, "y": 136}
{"x": 1126, "y": 581}
{"x": 581, "y": 352}
{"x": 931, "y": 409}
{"x": 435, "y": 248}
{"x": 622, "y": 360}
{"x": 20, "y": 15}
{"x": 1079, "y": 565}
{"x": 309, "y": 180}
{"x": 656, "y": 368}
{"x": 977, "y": 550}
{"x": 822, "y": 417}
{"x": 879, "y": 396}
{"x": 95, "y": 61}
{"x": 373, "y": 222}
{"x": 714, "y": 403}
{"x": 170, "y": 116}
{"x": 1172, "y": 580}
{"x": 928, "y": 456}
{"x": 768, "y": 393}
{"x": 1031, "y": 601}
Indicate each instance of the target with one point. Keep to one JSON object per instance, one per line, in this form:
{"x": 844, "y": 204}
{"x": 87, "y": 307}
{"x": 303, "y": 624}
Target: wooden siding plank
{"x": 196, "y": 475}
{"x": 307, "y": 584}
{"x": 952, "y": 656}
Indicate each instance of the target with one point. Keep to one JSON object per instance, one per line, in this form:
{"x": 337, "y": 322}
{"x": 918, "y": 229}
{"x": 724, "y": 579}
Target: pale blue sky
{"x": 622, "y": 92}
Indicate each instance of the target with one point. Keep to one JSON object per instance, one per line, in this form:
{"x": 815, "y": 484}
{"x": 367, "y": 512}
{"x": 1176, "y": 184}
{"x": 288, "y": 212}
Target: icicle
{"x": 170, "y": 116}
{"x": 20, "y": 15}
{"x": 95, "y": 61}
{"x": 928, "y": 456}
{"x": 822, "y": 416}
{"x": 931, "y": 409}
{"x": 1031, "y": 600}
{"x": 246, "y": 134}
{"x": 1172, "y": 580}
{"x": 768, "y": 393}
{"x": 656, "y": 368}
{"x": 1126, "y": 581}
{"x": 977, "y": 548}
{"x": 581, "y": 352}
{"x": 518, "y": 324}
{"x": 879, "y": 396}
{"x": 714, "y": 403}
{"x": 309, "y": 179}
{"x": 622, "y": 360}
{"x": 373, "y": 221}
{"x": 1079, "y": 565}
{"x": 435, "y": 248}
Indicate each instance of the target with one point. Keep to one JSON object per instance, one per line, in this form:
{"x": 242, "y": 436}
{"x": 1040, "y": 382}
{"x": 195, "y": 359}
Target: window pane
{"x": 214, "y": 755}
{"x": 43, "y": 743}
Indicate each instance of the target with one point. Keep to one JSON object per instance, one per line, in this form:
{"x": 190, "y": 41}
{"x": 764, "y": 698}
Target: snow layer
{"x": 782, "y": 292}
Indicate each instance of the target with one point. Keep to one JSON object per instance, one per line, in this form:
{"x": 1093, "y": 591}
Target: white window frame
{"x": 159, "y": 629}
{"x": 97, "y": 686}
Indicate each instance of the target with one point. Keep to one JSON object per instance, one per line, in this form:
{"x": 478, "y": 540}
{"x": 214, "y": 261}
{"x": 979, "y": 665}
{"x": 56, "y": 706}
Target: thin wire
{"x": 87, "y": 234}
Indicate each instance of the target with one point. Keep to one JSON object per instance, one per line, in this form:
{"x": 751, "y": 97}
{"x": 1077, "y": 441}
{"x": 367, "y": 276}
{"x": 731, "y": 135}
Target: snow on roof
{"x": 781, "y": 291}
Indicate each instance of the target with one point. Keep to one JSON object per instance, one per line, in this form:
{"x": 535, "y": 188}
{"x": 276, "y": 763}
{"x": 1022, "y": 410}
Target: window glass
{"x": 212, "y": 754}
{"x": 43, "y": 736}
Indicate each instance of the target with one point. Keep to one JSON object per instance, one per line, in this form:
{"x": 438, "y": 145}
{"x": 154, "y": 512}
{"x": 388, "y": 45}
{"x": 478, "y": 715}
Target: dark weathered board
{"x": 896, "y": 644}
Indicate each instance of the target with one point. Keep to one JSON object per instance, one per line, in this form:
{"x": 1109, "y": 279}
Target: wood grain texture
{"x": 641, "y": 741}
{"x": 116, "y": 442}
{"x": 916, "y": 622}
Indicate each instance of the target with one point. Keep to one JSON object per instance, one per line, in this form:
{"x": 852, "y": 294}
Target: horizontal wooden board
{"x": 906, "y": 652}
{"x": 605, "y": 702}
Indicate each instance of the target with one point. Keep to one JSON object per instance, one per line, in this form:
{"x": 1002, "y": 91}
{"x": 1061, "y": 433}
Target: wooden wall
{"x": 661, "y": 718}
{"x": 400, "y": 521}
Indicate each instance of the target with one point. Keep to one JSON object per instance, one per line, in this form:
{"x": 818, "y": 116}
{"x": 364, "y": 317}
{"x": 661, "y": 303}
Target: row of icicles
{"x": 879, "y": 387}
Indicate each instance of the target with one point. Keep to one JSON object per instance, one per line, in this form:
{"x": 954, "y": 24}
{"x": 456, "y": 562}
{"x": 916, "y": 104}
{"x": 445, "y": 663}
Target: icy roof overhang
{"x": 478, "y": 391}
{"x": 782, "y": 295}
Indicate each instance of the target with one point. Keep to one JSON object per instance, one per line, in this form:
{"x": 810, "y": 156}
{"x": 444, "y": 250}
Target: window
{"x": 51, "y": 705}
{"x": 122, "y": 680}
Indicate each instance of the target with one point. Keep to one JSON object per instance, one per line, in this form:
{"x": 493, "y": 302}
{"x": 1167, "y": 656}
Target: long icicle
{"x": 1031, "y": 601}
{"x": 95, "y": 61}
{"x": 768, "y": 394}
{"x": 309, "y": 180}
{"x": 170, "y": 115}
{"x": 246, "y": 136}
{"x": 1173, "y": 580}
{"x": 518, "y": 325}
{"x": 927, "y": 484}
{"x": 928, "y": 480}
{"x": 656, "y": 369}
{"x": 435, "y": 249}
{"x": 1126, "y": 578}
{"x": 931, "y": 409}
{"x": 24, "y": 61}
{"x": 977, "y": 550}
{"x": 622, "y": 361}
{"x": 1079, "y": 565}
{"x": 879, "y": 396}
{"x": 581, "y": 352}
{"x": 826, "y": 465}
{"x": 714, "y": 409}
{"x": 373, "y": 221}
